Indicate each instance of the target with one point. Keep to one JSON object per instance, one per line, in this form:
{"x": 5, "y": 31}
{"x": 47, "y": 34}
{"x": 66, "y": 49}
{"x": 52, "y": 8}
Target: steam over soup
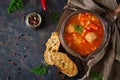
{"x": 84, "y": 33}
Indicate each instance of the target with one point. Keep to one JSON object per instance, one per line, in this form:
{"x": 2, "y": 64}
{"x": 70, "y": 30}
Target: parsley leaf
{"x": 55, "y": 16}
{"x": 14, "y": 5}
{"x": 96, "y": 75}
{"x": 78, "y": 28}
{"x": 40, "y": 70}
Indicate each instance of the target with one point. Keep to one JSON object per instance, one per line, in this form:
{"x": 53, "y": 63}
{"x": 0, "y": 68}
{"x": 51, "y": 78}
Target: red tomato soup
{"x": 84, "y": 33}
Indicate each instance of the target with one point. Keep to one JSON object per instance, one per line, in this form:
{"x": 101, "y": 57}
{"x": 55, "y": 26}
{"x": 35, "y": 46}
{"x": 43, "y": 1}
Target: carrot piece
{"x": 94, "y": 27}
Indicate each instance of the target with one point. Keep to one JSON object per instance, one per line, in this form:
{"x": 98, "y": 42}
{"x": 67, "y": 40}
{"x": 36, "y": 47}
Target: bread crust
{"x": 52, "y": 45}
{"x": 59, "y": 59}
{"x": 65, "y": 64}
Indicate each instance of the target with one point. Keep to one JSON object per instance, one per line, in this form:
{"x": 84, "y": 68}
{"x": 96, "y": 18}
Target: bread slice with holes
{"x": 64, "y": 63}
{"x": 47, "y": 57}
{"x": 52, "y": 45}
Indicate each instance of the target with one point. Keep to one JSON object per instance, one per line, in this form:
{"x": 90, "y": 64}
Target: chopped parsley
{"x": 78, "y": 28}
{"x": 96, "y": 75}
{"x": 55, "y": 16}
{"x": 40, "y": 70}
{"x": 14, "y": 5}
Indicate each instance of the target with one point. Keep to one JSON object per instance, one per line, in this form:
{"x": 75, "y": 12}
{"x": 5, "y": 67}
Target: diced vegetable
{"x": 94, "y": 27}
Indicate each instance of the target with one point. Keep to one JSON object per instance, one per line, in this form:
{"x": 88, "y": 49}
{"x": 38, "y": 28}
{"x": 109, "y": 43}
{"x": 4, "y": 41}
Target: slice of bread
{"x": 64, "y": 63}
{"x": 47, "y": 57}
{"x": 52, "y": 45}
{"x": 53, "y": 42}
{"x": 59, "y": 59}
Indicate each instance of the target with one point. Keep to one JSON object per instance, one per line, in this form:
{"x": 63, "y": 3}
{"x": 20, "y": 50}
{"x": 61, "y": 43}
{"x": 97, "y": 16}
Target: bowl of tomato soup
{"x": 83, "y": 34}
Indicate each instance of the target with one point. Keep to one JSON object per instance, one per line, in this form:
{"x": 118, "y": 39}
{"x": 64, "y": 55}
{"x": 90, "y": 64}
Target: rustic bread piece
{"x": 52, "y": 45}
{"x": 47, "y": 57}
{"x": 65, "y": 64}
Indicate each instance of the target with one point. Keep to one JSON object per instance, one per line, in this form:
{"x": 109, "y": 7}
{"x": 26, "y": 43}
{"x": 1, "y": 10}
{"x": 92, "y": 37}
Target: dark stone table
{"x": 21, "y": 48}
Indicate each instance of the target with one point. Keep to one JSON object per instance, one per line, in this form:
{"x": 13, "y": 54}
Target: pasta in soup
{"x": 84, "y": 33}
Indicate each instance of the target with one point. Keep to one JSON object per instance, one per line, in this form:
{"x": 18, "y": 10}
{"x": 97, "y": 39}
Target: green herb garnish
{"x": 14, "y": 5}
{"x": 78, "y": 28}
{"x": 40, "y": 70}
{"x": 96, "y": 75}
{"x": 55, "y": 16}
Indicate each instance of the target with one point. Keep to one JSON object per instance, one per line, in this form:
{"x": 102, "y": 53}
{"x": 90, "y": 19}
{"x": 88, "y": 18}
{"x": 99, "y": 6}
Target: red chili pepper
{"x": 43, "y": 3}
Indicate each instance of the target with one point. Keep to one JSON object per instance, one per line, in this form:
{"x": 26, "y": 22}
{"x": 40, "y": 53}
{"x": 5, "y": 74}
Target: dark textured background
{"x": 21, "y": 48}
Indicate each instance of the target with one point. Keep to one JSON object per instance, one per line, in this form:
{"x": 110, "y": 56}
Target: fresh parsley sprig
{"x": 96, "y": 75}
{"x": 78, "y": 28}
{"x": 14, "y": 5}
{"x": 40, "y": 70}
{"x": 55, "y": 16}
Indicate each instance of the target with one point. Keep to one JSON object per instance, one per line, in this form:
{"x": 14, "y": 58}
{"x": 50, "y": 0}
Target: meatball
{"x": 90, "y": 37}
{"x": 70, "y": 28}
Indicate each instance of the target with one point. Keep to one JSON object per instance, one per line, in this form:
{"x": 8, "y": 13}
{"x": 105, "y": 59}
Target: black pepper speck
{"x": 19, "y": 68}
{"x": 14, "y": 54}
{"x": 22, "y": 35}
{"x": 14, "y": 63}
{"x": 25, "y": 48}
{"x": 16, "y": 44}
{"x": 9, "y": 60}
{"x": 24, "y": 56}
{"x": 19, "y": 37}
{"x": 9, "y": 78}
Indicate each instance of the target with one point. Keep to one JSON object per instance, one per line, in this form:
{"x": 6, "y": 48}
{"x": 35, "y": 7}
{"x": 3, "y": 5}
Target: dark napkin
{"x": 108, "y": 60}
